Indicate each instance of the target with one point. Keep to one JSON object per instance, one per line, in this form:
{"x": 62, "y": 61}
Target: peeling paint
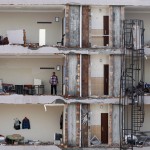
{"x": 20, "y": 50}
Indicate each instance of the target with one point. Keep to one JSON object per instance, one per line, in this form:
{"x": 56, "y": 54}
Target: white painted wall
{"x": 24, "y": 70}
{"x": 95, "y": 113}
{"x": 146, "y": 126}
{"x": 97, "y": 14}
{"x": 97, "y": 67}
{"x": 142, "y": 16}
{"x": 43, "y": 124}
{"x": 28, "y": 21}
{"x": 147, "y": 70}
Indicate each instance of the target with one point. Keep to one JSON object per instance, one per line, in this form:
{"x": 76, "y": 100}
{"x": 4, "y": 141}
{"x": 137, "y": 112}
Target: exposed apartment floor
{"x": 49, "y": 147}
{"x": 135, "y": 148}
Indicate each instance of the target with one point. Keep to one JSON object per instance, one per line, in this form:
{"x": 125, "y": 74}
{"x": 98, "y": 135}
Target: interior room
{"x": 31, "y": 71}
{"x": 42, "y": 124}
{"x": 32, "y": 19}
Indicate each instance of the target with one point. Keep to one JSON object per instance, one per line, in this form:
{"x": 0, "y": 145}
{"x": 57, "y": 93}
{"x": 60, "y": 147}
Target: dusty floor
{"x": 135, "y": 148}
{"x": 49, "y": 147}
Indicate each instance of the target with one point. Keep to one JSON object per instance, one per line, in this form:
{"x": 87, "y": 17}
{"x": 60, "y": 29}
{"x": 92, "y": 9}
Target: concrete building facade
{"x": 83, "y": 44}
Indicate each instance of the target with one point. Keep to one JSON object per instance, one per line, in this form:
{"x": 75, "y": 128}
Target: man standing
{"x": 53, "y": 81}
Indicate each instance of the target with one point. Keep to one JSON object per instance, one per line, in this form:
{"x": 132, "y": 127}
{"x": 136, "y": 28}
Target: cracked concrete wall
{"x": 110, "y": 129}
{"x": 115, "y": 125}
{"x": 72, "y": 125}
{"x": 72, "y": 75}
{"x": 114, "y": 75}
{"x": 117, "y": 75}
{"x": 111, "y": 74}
{"x": 116, "y": 17}
{"x": 72, "y": 26}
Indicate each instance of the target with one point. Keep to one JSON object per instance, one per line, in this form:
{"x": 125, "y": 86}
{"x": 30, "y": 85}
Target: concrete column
{"x": 111, "y": 75}
{"x": 110, "y": 129}
{"x": 72, "y": 26}
{"x": 67, "y": 26}
{"x": 110, "y": 26}
{"x": 116, "y": 19}
{"x": 72, "y": 139}
{"x": 66, "y": 126}
{"x": 66, "y": 74}
{"x": 117, "y": 75}
{"x": 72, "y": 75}
{"x": 115, "y": 125}
{"x": 114, "y": 75}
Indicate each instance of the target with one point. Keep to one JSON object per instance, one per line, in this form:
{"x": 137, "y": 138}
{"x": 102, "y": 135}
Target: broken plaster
{"x": 19, "y": 50}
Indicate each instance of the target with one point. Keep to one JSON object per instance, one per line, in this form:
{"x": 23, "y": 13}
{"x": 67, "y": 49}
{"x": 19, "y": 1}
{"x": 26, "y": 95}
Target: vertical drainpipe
{"x": 80, "y": 75}
{"x": 80, "y": 68}
{"x": 80, "y": 54}
{"x": 64, "y": 76}
{"x": 80, "y": 26}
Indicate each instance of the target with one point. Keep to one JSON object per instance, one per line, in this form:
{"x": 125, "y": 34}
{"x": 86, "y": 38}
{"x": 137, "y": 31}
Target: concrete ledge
{"x": 34, "y": 147}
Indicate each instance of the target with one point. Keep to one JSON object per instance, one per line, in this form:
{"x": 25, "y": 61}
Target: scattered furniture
{"x": 2, "y": 139}
{"x": 57, "y": 138}
{"x": 11, "y": 139}
{"x": 27, "y": 89}
{"x": 62, "y": 40}
{"x": 8, "y": 88}
{"x": 20, "y": 37}
{"x": 19, "y": 89}
{"x": 39, "y": 89}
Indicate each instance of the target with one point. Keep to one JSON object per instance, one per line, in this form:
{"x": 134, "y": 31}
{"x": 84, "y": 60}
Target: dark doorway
{"x": 104, "y": 128}
{"x": 106, "y": 30}
{"x": 106, "y": 79}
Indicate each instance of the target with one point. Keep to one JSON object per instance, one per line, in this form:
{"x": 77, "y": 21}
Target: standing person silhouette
{"x": 53, "y": 81}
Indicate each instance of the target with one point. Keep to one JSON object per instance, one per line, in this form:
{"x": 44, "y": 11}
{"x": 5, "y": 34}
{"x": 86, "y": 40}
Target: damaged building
{"x": 82, "y": 42}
